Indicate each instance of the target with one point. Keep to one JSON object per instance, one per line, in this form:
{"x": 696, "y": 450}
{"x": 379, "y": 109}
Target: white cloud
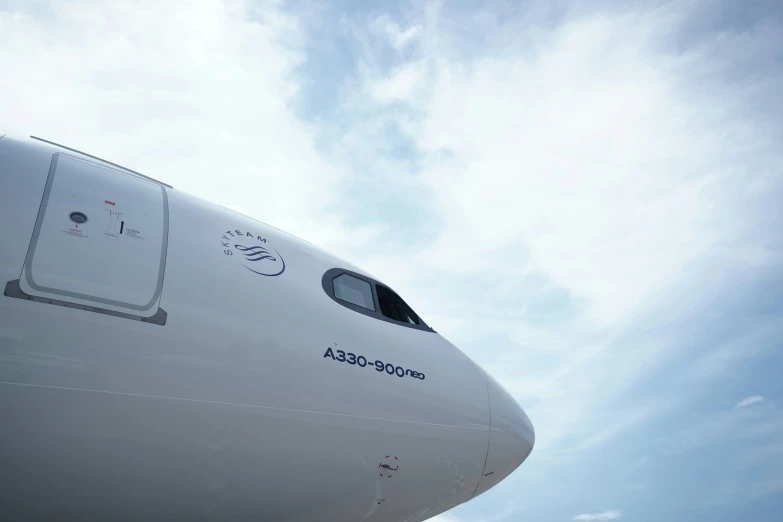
{"x": 195, "y": 94}
{"x": 749, "y": 401}
{"x": 586, "y": 165}
{"x": 585, "y": 161}
{"x": 445, "y": 517}
{"x": 398, "y": 38}
{"x": 238, "y": 208}
{"x": 400, "y": 85}
{"x": 605, "y": 515}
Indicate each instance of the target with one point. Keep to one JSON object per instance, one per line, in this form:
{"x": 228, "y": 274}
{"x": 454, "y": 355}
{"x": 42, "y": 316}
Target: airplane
{"x": 166, "y": 358}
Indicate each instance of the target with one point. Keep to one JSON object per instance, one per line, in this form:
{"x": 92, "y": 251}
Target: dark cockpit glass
{"x": 393, "y": 307}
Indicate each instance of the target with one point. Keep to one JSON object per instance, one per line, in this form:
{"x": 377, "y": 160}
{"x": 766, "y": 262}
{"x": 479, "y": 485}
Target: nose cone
{"x": 511, "y": 436}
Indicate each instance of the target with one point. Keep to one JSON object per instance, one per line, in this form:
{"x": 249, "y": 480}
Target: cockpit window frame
{"x": 328, "y": 287}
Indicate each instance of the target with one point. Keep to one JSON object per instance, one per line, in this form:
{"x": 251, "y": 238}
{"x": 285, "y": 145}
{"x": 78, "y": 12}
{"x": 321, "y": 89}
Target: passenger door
{"x": 99, "y": 243}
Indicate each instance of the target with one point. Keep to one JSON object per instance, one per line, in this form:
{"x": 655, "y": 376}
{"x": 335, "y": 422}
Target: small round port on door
{"x": 78, "y": 217}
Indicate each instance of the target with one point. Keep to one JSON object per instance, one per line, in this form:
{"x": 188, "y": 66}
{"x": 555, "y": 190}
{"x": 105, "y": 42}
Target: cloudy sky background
{"x": 586, "y": 198}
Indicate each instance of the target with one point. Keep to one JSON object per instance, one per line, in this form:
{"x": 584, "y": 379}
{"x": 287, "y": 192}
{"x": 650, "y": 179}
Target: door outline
{"x": 14, "y": 290}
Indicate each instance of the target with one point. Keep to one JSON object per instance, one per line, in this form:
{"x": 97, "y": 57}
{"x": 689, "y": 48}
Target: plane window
{"x": 353, "y": 290}
{"x": 393, "y": 307}
{"x": 364, "y": 295}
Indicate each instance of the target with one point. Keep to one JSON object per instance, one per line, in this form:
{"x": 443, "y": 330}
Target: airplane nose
{"x": 511, "y": 436}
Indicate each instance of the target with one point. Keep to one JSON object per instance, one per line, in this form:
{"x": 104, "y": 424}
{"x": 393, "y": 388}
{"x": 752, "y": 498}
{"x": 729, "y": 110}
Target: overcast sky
{"x": 587, "y": 199}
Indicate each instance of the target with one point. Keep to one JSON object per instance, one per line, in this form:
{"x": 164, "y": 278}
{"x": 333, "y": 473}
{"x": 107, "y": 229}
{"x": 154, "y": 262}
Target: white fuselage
{"x": 163, "y": 358}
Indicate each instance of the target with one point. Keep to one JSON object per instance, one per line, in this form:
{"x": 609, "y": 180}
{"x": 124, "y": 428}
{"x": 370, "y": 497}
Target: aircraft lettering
{"x": 262, "y": 260}
{"x": 379, "y": 366}
{"x": 239, "y": 233}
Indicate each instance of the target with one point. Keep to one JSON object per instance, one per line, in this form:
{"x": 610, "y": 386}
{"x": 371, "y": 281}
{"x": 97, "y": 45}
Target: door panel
{"x": 100, "y": 240}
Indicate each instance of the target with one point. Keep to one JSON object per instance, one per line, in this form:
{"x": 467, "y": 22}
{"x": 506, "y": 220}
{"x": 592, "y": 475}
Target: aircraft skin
{"x": 164, "y": 358}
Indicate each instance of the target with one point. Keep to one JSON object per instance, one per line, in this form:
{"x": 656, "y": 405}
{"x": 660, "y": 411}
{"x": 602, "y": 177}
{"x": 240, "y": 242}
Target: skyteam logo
{"x": 253, "y": 252}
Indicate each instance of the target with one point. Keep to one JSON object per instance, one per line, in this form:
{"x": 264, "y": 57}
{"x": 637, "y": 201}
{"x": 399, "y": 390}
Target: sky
{"x": 584, "y": 197}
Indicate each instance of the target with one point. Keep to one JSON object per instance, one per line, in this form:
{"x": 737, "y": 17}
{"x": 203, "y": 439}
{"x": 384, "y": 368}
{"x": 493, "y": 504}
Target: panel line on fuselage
{"x": 222, "y": 403}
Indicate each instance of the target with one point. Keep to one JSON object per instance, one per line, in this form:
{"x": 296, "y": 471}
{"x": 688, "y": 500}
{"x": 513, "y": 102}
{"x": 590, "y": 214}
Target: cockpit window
{"x": 366, "y": 296}
{"x": 353, "y": 290}
{"x": 393, "y": 307}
